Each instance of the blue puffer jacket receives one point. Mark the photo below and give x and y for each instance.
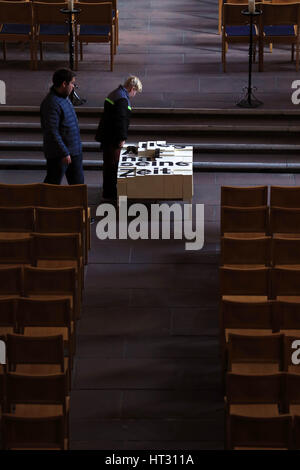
(60, 126)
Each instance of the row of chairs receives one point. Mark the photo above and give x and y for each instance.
(45, 251)
(262, 354)
(245, 211)
(259, 284)
(250, 433)
(278, 23)
(259, 317)
(260, 251)
(262, 395)
(40, 22)
(39, 307)
(39, 317)
(21, 210)
(254, 196)
(260, 220)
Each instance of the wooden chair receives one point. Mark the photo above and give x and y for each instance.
(246, 285)
(286, 252)
(245, 252)
(60, 196)
(247, 318)
(292, 393)
(47, 317)
(260, 433)
(33, 433)
(61, 220)
(50, 24)
(44, 283)
(16, 19)
(285, 222)
(36, 355)
(8, 323)
(244, 196)
(115, 16)
(285, 196)
(287, 317)
(58, 251)
(11, 281)
(279, 24)
(250, 222)
(285, 284)
(16, 251)
(16, 222)
(255, 354)
(96, 25)
(235, 30)
(221, 8)
(254, 395)
(36, 396)
(19, 195)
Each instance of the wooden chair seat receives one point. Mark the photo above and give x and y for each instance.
(48, 331)
(256, 410)
(244, 234)
(245, 298)
(248, 331)
(52, 296)
(6, 329)
(39, 410)
(41, 369)
(256, 368)
(13, 235)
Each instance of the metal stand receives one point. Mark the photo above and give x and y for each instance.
(74, 97)
(249, 101)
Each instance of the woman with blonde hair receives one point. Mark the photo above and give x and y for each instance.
(113, 130)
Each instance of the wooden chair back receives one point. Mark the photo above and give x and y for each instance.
(251, 196)
(33, 433)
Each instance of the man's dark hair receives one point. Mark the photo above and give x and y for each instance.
(62, 75)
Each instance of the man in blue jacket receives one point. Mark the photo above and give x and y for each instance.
(62, 143)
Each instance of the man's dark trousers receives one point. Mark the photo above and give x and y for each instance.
(56, 171)
(111, 156)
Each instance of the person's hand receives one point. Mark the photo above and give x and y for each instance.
(122, 143)
(67, 160)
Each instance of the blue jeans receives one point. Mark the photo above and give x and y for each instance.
(56, 170)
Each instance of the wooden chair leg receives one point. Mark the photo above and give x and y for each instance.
(81, 52)
(271, 47)
(224, 55)
(115, 40)
(112, 50)
(117, 27)
(293, 53)
(4, 50)
(261, 56)
(76, 53)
